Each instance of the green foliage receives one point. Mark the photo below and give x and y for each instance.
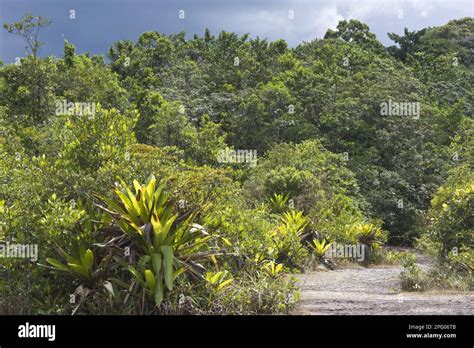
(394, 257)
(273, 269)
(218, 281)
(79, 264)
(452, 275)
(455, 273)
(28, 28)
(288, 237)
(407, 43)
(279, 203)
(214, 237)
(88, 143)
(295, 170)
(451, 218)
(320, 248)
(411, 278)
(369, 235)
(355, 32)
(450, 222)
(257, 293)
(146, 217)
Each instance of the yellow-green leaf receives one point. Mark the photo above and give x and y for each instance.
(88, 259)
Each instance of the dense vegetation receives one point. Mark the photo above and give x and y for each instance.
(191, 176)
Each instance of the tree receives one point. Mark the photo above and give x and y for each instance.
(69, 53)
(28, 28)
(354, 31)
(409, 43)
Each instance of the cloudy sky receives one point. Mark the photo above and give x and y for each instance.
(98, 23)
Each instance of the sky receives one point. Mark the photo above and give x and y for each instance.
(99, 23)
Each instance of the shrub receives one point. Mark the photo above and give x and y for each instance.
(279, 203)
(174, 265)
(452, 216)
(320, 248)
(288, 238)
(174, 244)
(411, 278)
(291, 170)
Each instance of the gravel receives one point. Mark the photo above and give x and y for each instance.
(373, 291)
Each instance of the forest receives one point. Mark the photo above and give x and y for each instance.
(202, 175)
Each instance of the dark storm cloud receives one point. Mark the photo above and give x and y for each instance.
(99, 23)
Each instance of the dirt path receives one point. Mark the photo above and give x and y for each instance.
(369, 291)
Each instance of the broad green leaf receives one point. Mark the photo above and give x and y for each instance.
(150, 280)
(166, 228)
(168, 265)
(157, 262)
(158, 294)
(88, 259)
(58, 265)
(137, 186)
(79, 269)
(137, 275)
(216, 277)
(224, 284)
(179, 271)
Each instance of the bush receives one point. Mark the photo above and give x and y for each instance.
(449, 228)
(174, 265)
(411, 278)
(291, 170)
(452, 216)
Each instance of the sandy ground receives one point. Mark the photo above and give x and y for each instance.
(375, 290)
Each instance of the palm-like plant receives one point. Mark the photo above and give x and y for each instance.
(278, 203)
(288, 237)
(294, 221)
(369, 234)
(173, 243)
(78, 264)
(320, 247)
(218, 281)
(272, 269)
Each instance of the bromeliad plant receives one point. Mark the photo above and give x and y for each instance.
(279, 203)
(78, 264)
(370, 235)
(288, 236)
(320, 248)
(218, 281)
(173, 243)
(295, 221)
(272, 269)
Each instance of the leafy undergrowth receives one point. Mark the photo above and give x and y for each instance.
(174, 178)
(450, 274)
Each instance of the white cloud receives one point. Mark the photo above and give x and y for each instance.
(370, 9)
(311, 19)
(325, 19)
